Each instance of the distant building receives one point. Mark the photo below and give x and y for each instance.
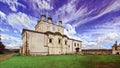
(116, 48)
(96, 51)
(48, 39)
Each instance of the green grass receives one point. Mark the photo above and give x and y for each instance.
(3, 54)
(64, 61)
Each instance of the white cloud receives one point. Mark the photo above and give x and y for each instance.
(42, 4)
(112, 7)
(4, 29)
(108, 37)
(70, 29)
(87, 43)
(15, 31)
(11, 42)
(20, 20)
(105, 34)
(101, 41)
(115, 22)
(91, 45)
(71, 32)
(13, 4)
(2, 16)
(68, 12)
(1, 29)
(107, 26)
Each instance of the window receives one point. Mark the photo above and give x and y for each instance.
(50, 40)
(74, 44)
(65, 42)
(78, 44)
(59, 40)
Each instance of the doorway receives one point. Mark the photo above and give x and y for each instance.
(77, 49)
(117, 53)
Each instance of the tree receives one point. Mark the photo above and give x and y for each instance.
(2, 47)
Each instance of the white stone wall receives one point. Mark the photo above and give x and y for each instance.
(64, 46)
(118, 48)
(36, 43)
(70, 46)
(55, 47)
(58, 45)
(76, 44)
(23, 44)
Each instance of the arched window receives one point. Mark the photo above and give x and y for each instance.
(75, 44)
(65, 42)
(50, 40)
(78, 44)
(59, 40)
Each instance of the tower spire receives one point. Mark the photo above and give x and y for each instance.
(43, 17)
(60, 20)
(49, 19)
(116, 42)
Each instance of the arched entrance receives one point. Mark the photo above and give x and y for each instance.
(77, 49)
(117, 53)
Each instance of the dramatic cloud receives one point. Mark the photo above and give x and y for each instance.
(68, 12)
(41, 4)
(11, 42)
(108, 37)
(91, 45)
(13, 4)
(71, 32)
(21, 20)
(114, 6)
(2, 16)
(70, 29)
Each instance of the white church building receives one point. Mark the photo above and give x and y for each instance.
(48, 39)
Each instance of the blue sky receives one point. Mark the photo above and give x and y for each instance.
(95, 22)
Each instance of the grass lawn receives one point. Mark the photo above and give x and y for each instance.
(64, 61)
(3, 54)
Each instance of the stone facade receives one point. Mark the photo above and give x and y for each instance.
(116, 48)
(48, 39)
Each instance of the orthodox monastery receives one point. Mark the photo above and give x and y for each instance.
(48, 39)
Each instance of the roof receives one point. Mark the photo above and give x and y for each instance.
(31, 31)
(49, 32)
